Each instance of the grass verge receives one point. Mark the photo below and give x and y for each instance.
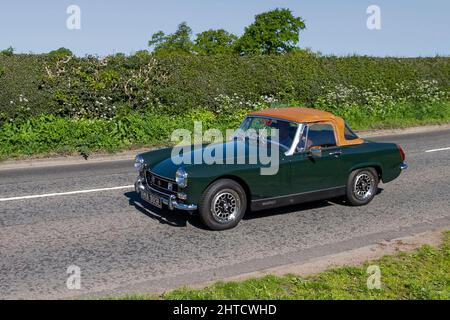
(420, 274)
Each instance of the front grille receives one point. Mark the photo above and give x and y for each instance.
(160, 183)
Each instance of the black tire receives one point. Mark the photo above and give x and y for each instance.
(216, 207)
(367, 179)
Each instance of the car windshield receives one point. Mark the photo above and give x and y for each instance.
(252, 126)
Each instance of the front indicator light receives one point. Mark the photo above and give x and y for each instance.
(139, 163)
(181, 178)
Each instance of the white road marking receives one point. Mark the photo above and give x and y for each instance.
(441, 149)
(64, 193)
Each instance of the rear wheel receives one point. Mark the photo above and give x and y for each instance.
(223, 204)
(362, 186)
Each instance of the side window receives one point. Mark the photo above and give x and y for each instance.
(321, 135)
(349, 134)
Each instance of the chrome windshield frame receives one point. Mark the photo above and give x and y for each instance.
(290, 150)
(296, 141)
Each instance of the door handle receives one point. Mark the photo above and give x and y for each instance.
(335, 153)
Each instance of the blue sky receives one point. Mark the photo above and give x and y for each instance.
(408, 27)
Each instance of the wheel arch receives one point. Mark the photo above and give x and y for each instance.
(377, 166)
(238, 180)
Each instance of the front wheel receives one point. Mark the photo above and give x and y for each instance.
(362, 186)
(223, 204)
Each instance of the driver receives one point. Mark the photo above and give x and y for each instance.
(285, 136)
(307, 144)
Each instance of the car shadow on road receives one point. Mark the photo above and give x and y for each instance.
(174, 218)
(250, 215)
(178, 218)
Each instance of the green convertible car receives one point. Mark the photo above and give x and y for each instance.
(312, 155)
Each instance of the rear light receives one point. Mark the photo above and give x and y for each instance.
(402, 153)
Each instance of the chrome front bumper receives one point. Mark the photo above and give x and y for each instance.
(403, 166)
(169, 200)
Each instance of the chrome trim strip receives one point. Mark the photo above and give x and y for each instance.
(298, 194)
(262, 204)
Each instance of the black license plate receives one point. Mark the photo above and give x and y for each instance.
(151, 198)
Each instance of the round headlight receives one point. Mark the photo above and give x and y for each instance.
(181, 178)
(139, 163)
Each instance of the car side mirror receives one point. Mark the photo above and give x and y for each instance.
(315, 152)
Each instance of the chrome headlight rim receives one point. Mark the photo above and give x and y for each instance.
(139, 163)
(181, 177)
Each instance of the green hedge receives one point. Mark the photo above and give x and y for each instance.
(49, 134)
(56, 104)
(89, 87)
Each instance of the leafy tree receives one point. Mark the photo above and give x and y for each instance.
(7, 52)
(179, 41)
(272, 32)
(212, 42)
(61, 52)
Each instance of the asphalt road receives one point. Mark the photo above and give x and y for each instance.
(121, 246)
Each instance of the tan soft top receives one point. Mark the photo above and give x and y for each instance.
(308, 115)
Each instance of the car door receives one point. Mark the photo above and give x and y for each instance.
(275, 182)
(311, 171)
